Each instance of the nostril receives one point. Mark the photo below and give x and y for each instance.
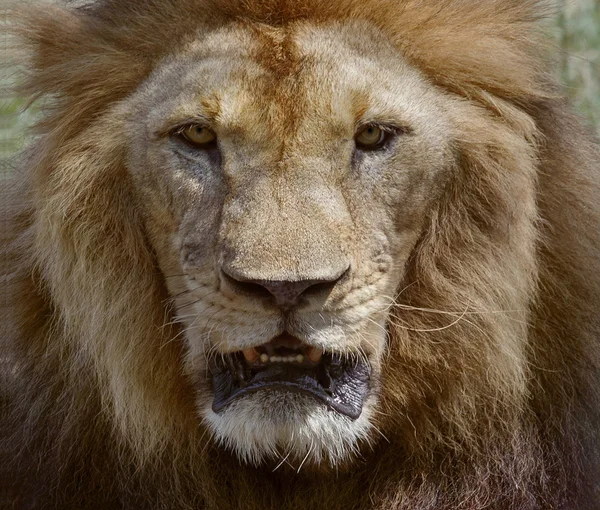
(246, 286)
(286, 293)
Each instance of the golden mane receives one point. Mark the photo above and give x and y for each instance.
(468, 48)
(514, 248)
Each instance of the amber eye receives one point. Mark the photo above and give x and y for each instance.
(198, 135)
(370, 137)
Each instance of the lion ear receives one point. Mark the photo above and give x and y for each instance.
(76, 59)
(55, 40)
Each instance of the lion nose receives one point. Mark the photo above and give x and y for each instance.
(286, 294)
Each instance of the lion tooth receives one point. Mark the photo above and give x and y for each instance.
(299, 358)
(314, 354)
(250, 354)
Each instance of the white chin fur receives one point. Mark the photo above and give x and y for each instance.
(282, 425)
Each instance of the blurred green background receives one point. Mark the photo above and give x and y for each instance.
(575, 32)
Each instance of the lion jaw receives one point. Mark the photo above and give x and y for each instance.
(273, 426)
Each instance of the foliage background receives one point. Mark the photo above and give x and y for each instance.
(575, 32)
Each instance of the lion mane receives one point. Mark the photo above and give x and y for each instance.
(97, 411)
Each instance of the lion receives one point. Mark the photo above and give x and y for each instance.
(279, 254)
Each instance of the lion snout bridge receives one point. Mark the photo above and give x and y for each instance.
(284, 293)
(284, 240)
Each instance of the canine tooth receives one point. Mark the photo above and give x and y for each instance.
(299, 358)
(264, 357)
(314, 354)
(250, 354)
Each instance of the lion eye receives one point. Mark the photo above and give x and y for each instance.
(198, 135)
(370, 137)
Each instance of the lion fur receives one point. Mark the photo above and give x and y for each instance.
(85, 430)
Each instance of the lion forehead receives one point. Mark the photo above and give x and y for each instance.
(261, 81)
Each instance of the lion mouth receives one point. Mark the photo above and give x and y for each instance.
(287, 364)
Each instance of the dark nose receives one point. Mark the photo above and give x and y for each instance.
(287, 294)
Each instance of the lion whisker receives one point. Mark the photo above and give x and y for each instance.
(283, 460)
(188, 291)
(431, 330)
(448, 312)
(305, 457)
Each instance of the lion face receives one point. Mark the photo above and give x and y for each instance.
(284, 176)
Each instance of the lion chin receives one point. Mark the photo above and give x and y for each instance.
(299, 254)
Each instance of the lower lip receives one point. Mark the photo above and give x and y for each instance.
(345, 394)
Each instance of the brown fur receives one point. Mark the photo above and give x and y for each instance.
(517, 232)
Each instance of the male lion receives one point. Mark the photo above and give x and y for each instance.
(299, 255)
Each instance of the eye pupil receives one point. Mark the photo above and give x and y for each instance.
(371, 138)
(198, 136)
